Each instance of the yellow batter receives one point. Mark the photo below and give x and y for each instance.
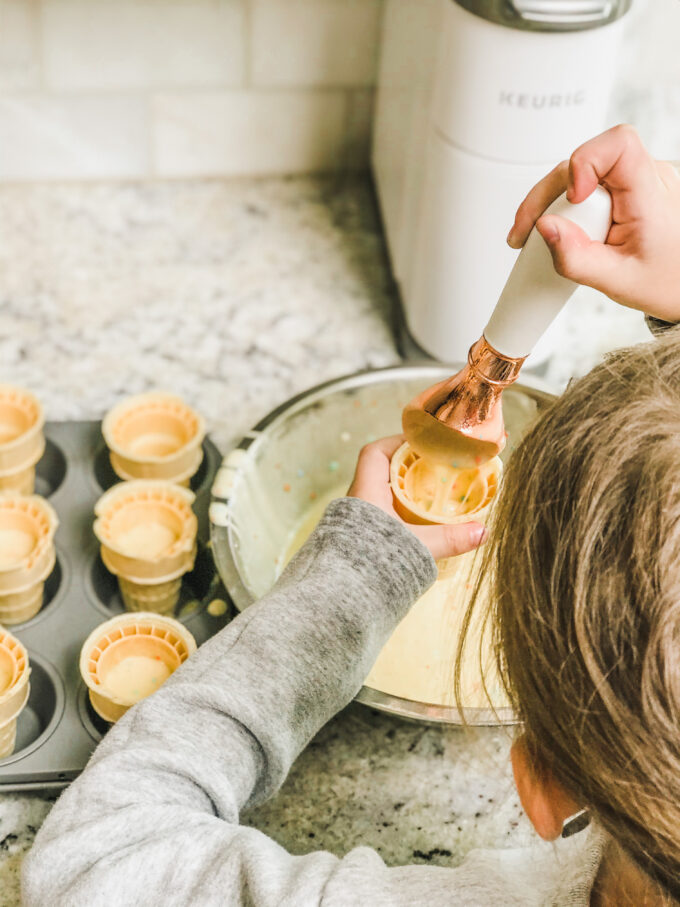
(418, 661)
(15, 545)
(135, 677)
(146, 540)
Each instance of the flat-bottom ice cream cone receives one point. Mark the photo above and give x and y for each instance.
(21, 481)
(27, 555)
(181, 476)
(22, 441)
(14, 688)
(154, 436)
(160, 598)
(429, 494)
(147, 531)
(129, 657)
(19, 607)
(8, 738)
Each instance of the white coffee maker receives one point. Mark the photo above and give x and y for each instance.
(477, 100)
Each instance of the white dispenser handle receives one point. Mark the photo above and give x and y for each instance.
(535, 293)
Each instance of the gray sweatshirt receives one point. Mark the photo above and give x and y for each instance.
(154, 818)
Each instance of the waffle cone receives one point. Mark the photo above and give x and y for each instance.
(8, 738)
(27, 555)
(14, 686)
(147, 531)
(129, 657)
(154, 436)
(430, 494)
(22, 442)
(22, 481)
(160, 598)
(18, 607)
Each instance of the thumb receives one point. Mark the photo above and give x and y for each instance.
(578, 257)
(448, 541)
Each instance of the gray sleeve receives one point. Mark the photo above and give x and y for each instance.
(154, 818)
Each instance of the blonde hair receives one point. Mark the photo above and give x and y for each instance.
(584, 556)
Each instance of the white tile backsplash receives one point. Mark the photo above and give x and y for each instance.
(66, 137)
(19, 53)
(127, 88)
(125, 44)
(315, 42)
(248, 132)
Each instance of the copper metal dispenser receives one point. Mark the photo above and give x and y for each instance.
(459, 422)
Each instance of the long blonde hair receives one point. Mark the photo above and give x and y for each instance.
(584, 555)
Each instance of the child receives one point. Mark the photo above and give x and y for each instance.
(585, 553)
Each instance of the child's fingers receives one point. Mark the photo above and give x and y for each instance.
(450, 541)
(543, 194)
(581, 259)
(618, 159)
(373, 466)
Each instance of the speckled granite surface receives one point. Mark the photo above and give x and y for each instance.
(238, 295)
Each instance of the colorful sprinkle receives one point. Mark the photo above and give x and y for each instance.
(357, 404)
(300, 473)
(345, 436)
(312, 496)
(333, 466)
(286, 487)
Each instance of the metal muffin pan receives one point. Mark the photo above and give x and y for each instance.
(58, 729)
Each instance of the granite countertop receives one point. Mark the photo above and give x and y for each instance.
(237, 295)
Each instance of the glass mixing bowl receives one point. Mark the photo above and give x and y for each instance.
(306, 450)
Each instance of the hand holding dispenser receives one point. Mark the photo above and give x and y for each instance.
(459, 422)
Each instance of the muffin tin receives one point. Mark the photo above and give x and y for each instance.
(58, 729)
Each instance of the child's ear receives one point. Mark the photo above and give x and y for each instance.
(544, 801)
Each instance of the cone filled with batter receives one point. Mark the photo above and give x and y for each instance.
(154, 436)
(22, 441)
(14, 688)
(147, 532)
(129, 657)
(426, 492)
(27, 554)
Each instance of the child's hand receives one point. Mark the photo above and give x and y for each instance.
(372, 484)
(639, 266)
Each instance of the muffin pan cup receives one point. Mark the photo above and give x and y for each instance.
(58, 729)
